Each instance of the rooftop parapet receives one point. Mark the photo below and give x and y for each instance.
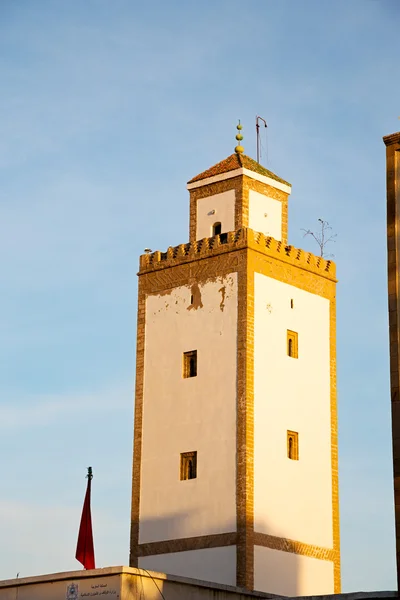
(236, 240)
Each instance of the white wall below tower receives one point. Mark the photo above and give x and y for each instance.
(292, 498)
(289, 574)
(265, 214)
(209, 564)
(224, 206)
(189, 414)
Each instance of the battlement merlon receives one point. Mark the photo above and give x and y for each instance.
(237, 240)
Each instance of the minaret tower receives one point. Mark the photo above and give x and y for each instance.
(235, 471)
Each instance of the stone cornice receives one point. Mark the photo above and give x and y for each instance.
(287, 188)
(393, 138)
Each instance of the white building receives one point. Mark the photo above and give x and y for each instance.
(235, 476)
(125, 583)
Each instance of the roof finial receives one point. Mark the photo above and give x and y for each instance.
(239, 149)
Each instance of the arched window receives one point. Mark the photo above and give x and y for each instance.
(293, 445)
(188, 465)
(190, 364)
(216, 228)
(292, 344)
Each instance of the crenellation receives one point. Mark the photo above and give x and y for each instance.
(201, 246)
(232, 240)
(181, 251)
(312, 260)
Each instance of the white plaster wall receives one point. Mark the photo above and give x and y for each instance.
(265, 215)
(182, 415)
(289, 574)
(293, 499)
(224, 206)
(212, 564)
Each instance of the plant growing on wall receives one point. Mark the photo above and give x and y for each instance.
(323, 237)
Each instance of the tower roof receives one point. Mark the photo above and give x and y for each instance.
(237, 161)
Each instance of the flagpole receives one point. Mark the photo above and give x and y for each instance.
(84, 548)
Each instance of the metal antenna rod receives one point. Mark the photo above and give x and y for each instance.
(258, 135)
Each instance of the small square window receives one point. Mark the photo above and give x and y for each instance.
(188, 465)
(292, 344)
(293, 445)
(190, 364)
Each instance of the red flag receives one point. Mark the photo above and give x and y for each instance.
(84, 547)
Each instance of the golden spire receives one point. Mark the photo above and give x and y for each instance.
(239, 149)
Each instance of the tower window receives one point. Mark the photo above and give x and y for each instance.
(291, 303)
(292, 344)
(293, 445)
(188, 465)
(190, 364)
(216, 228)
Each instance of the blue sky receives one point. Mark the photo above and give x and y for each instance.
(107, 110)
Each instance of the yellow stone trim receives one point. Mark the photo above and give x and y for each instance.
(221, 540)
(138, 424)
(295, 547)
(241, 205)
(201, 542)
(245, 431)
(191, 272)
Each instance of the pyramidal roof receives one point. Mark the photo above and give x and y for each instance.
(237, 161)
